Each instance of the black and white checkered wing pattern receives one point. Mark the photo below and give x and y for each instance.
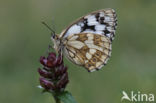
(103, 22)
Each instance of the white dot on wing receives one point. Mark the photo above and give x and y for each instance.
(107, 18)
(90, 17)
(88, 31)
(102, 14)
(92, 23)
(100, 27)
(73, 30)
(92, 20)
(108, 35)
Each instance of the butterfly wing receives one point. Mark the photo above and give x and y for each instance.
(101, 22)
(88, 50)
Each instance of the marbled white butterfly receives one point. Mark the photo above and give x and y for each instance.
(87, 42)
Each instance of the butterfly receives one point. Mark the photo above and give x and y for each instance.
(87, 42)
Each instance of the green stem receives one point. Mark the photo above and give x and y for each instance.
(57, 100)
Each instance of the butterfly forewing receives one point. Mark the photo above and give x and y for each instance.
(87, 49)
(101, 22)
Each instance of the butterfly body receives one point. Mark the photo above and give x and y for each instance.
(88, 41)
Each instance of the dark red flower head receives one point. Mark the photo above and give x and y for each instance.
(54, 76)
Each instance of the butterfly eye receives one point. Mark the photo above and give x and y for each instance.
(53, 35)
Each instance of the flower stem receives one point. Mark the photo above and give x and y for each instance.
(57, 100)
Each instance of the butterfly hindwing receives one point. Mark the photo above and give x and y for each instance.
(88, 50)
(102, 22)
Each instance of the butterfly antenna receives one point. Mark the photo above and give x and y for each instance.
(53, 32)
(53, 25)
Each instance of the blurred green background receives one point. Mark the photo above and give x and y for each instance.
(23, 39)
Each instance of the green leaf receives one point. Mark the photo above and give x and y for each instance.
(66, 97)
